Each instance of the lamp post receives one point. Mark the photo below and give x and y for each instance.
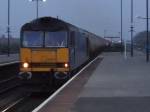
(147, 39)
(147, 35)
(147, 29)
(131, 28)
(8, 29)
(121, 26)
(105, 31)
(37, 6)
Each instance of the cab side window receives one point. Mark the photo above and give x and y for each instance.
(72, 39)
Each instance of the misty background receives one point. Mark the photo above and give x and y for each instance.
(92, 15)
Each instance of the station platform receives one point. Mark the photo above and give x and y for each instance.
(114, 84)
(7, 59)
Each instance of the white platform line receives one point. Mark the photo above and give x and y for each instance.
(9, 63)
(60, 89)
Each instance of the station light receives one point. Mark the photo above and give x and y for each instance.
(37, 0)
(37, 5)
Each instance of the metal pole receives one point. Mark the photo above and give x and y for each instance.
(147, 39)
(132, 28)
(104, 33)
(121, 25)
(37, 8)
(8, 28)
(125, 49)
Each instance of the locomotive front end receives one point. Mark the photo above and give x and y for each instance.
(44, 55)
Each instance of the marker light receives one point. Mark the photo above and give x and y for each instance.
(66, 65)
(25, 65)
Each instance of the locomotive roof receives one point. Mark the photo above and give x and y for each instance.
(47, 23)
(52, 24)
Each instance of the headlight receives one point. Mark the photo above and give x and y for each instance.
(25, 65)
(66, 65)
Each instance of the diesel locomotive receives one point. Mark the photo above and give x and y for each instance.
(52, 48)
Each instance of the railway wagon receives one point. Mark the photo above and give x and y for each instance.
(52, 48)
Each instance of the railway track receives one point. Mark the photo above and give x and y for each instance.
(11, 98)
(8, 76)
(8, 70)
(11, 106)
(8, 84)
(26, 103)
(30, 102)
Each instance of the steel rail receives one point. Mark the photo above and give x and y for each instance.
(9, 63)
(7, 80)
(11, 106)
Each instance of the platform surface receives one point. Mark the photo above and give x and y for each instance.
(116, 85)
(6, 59)
(116, 77)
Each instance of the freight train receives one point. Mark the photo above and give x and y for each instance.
(52, 48)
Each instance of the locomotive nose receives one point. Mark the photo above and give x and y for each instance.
(25, 75)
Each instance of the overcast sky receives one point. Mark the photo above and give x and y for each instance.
(92, 15)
